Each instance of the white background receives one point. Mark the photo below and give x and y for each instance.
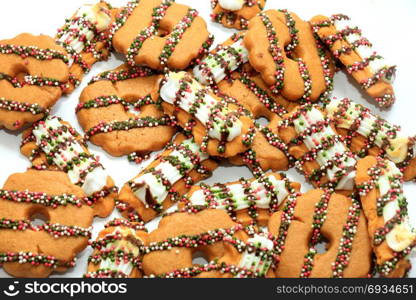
(389, 25)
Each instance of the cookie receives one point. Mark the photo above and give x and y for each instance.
(380, 185)
(283, 49)
(267, 150)
(53, 144)
(369, 69)
(34, 74)
(221, 61)
(248, 257)
(321, 155)
(160, 34)
(117, 251)
(181, 235)
(235, 13)
(366, 133)
(85, 37)
(218, 123)
(119, 113)
(248, 88)
(165, 180)
(316, 217)
(34, 250)
(246, 201)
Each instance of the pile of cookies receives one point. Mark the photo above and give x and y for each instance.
(201, 107)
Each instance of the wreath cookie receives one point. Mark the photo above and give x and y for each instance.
(33, 250)
(235, 13)
(226, 70)
(380, 185)
(85, 37)
(231, 251)
(267, 150)
(160, 34)
(53, 144)
(367, 67)
(283, 49)
(315, 217)
(366, 133)
(117, 251)
(165, 180)
(33, 76)
(219, 124)
(119, 113)
(246, 201)
(321, 154)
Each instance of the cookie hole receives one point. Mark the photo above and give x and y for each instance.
(199, 258)
(38, 219)
(322, 246)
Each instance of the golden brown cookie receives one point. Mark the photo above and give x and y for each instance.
(235, 13)
(366, 133)
(246, 201)
(321, 155)
(355, 52)
(283, 49)
(267, 152)
(119, 113)
(221, 61)
(316, 217)
(85, 37)
(219, 124)
(117, 251)
(248, 88)
(55, 145)
(160, 34)
(33, 75)
(213, 235)
(380, 185)
(225, 70)
(30, 249)
(165, 180)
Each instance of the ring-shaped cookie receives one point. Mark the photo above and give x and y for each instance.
(118, 112)
(30, 249)
(315, 217)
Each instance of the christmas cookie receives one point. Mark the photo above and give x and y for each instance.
(33, 75)
(235, 13)
(315, 218)
(320, 152)
(366, 133)
(117, 251)
(283, 49)
(221, 61)
(119, 113)
(180, 236)
(160, 34)
(53, 144)
(248, 88)
(267, 150)
(246, 201)
(85, 37)
(380, 185)
(367, 67)
(218, 123)
(29, 248)
(165, 180)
